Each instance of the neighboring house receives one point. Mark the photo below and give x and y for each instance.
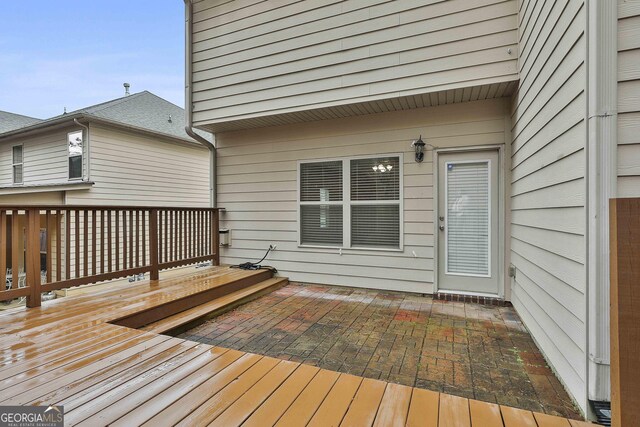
(131, 151)
(316, 105)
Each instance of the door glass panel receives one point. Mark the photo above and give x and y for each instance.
(467, 239)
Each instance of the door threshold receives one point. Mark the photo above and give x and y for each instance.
(470, 297)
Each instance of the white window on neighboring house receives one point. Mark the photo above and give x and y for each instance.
(18, 164)
(351, 203)
(75, 146)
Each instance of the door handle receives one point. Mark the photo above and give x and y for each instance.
(441, 227)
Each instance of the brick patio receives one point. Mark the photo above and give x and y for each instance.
(470, 350)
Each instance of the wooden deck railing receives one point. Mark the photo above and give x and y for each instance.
(56, 247)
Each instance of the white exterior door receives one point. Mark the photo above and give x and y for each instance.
(468, 222)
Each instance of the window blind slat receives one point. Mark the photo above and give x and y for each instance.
(321, 225)
(375, 179)
(321, 182)
(17, 174)
(375, 226)
(468, 218)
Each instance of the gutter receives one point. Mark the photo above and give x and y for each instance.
(189, 106)
(86, 144)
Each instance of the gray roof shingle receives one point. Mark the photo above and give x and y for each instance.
(12, 121)
(142, 110)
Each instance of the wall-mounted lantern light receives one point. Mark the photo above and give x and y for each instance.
(418, 145)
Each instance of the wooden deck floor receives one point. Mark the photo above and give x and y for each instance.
(66, 353)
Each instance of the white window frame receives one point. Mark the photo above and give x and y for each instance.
(13, 165)
(81, 177)
(346, 203)
(446, 216)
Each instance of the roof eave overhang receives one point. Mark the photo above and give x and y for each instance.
(87, 118)
(62, 186)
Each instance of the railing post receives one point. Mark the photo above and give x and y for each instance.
(215, 237)
(625, 311)
(32, 267)
(153, 244)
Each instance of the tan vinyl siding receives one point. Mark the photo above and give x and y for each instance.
(548, 185)
(131, 169)
(45, 158)
(48, 198)
(255, 59)
(628, 98)
(257, 185)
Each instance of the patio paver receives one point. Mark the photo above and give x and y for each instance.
(469, 350)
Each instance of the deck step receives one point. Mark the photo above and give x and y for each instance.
(216, 307)
(204, 291)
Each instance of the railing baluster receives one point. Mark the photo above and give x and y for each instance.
(178, 253)
(131, 254)
(58, 245)
(67, 243)
(194, 234)
(144, 238)
(204, 232)
(137, 238)
(49, 228)
(169, 236)
(94, 244)
(162, 239)
(117, 265)
(199, 234)
(124, 240)
(15, 249)
(153, 244)
(102, 258)
(186, 234)
(3, 247)
(215, 238)
(208, 236)
(109, 240)
(77, 240)
(172, 234)
(85, 248)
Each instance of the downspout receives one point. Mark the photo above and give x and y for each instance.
(86, 143)
(601, 147)
(189, 106)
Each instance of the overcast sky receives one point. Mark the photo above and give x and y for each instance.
(72, 53)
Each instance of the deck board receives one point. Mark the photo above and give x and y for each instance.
(66, 352)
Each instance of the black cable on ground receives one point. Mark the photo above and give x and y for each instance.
(256, 265)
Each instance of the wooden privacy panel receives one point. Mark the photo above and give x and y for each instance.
(55, 247)
(625, 311)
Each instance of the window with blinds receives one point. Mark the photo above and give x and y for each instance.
(468, 233)
(321, 203)
(375, 202)
(352, 203)
(17, 164)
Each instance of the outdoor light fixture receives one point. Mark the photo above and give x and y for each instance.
(418, 145)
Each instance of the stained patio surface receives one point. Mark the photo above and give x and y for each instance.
(470, 350)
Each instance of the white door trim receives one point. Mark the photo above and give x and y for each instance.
(501, 212)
